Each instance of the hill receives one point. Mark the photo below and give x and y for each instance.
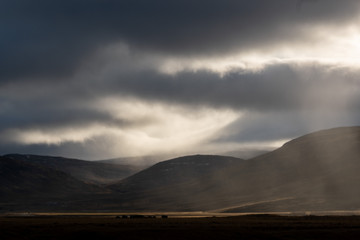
(318, 171)
(176, 171)
(315, 172)
(87, 171)
(26, 184)
(174, 184)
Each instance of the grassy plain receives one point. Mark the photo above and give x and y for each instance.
(107, 226)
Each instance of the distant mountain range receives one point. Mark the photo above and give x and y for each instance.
(318, 171)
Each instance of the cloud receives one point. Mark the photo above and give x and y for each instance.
(279, 86)
(154, 129)
(42, 39)
(107, 78)
(145, 111)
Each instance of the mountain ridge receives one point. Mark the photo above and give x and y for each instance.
(87, 171)
(317, 171)
(310, 169)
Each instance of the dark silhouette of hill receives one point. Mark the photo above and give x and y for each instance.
(31, 180)
(318, 171)
(315, 172)
(176, 184)
(45, 183)
(176, 171)
(24, 181)
(87, 171)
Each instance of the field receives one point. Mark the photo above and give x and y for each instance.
(109, 226)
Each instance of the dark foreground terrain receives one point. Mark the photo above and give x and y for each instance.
(243, 227)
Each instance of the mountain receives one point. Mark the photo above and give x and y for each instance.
(318, 171)
(32, 180)
(87, 171)
(23, 182)
(176, 171)
(169, 185)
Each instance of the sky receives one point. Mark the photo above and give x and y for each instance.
(98, 79)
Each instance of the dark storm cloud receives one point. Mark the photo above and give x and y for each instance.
(43, 38)
(280, 101)
(47, 113)
(61, 60)
(276, 87)
(25, 115)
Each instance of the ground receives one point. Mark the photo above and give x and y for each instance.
(241, 227)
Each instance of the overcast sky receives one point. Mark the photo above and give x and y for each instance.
(97, 79)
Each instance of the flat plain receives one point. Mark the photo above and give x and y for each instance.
(239, 227)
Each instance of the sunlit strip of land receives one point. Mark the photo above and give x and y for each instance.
(198, 214)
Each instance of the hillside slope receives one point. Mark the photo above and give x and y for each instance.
(88, 171)
(177, 171)
(318, 171)
(175, 184)
(23, 180)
